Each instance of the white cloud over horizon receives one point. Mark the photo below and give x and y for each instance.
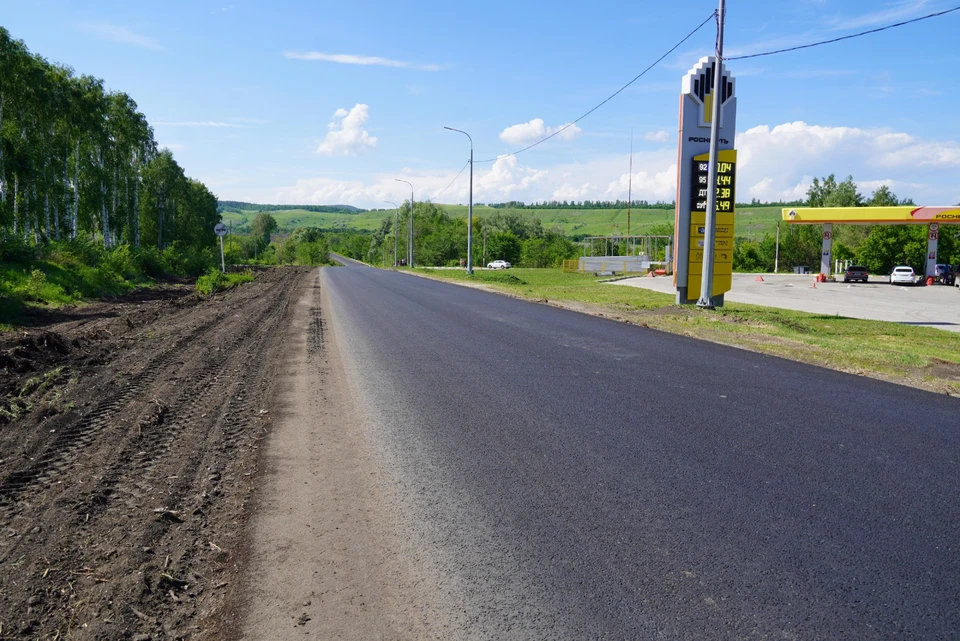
(774, 163)
(658, 136)
(121, 35)
(346, 135)
(351, 59)
(534, 130)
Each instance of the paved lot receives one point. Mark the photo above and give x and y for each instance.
(937, 306)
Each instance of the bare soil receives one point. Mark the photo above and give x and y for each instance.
(129, 440)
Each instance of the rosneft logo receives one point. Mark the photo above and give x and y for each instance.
(699, 84)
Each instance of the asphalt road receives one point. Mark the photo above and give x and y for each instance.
(561, 476)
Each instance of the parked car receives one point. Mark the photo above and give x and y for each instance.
(856, 272)
(945, 274)
(903, 275)
(498, 264)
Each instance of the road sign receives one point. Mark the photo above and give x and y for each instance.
(827, 235)
(934, 235)
(220, 230)
(934, 226)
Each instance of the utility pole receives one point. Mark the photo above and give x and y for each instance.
(709, 236)
(469, 206)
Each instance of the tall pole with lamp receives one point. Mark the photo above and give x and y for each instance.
(410, 240)
(469, 206)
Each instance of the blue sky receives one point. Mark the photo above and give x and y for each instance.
(322, 103)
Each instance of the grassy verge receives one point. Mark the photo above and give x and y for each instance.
(906, 354)
(70, 271)
(216, 281)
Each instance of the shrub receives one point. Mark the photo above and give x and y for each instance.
(215, 281)
(14, 249)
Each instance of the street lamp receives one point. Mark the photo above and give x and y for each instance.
(410, 241)
(396, 229)
(469, 206)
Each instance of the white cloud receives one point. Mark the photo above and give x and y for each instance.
(123, 35)
(346, 135)
(893, 12)
(535, 129)
(658, 136)
(351, 59)
(200, 123)
(779, 163)
(775, 163)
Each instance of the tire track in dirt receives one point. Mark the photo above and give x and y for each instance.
(176, 429)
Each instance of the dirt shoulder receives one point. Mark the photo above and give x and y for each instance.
(321, 560)
(129, 442)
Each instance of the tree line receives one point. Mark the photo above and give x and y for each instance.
(240, 206)
(77, 159)
(583, 204)
(440, 240)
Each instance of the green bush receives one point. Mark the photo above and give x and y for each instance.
(216, 281)
(150, 262)
(14, 249)
(120, 264)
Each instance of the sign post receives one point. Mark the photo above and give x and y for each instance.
(700, 93)
(221, 230)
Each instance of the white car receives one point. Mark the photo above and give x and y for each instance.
(903, 275)
(498, 264)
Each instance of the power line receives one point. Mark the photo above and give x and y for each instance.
(612, 96)
(452, 181)
(853, 35)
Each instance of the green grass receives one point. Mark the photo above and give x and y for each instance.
(752, 222)
(921, 356)
(216, 281)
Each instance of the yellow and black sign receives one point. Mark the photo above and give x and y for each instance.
(724, 222)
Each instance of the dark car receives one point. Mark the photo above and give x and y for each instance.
(945, 274)
(856, 272)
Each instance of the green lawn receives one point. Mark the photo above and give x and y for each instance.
(919, 356)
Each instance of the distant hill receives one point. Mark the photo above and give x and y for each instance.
(239, 206)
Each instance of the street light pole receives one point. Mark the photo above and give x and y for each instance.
(469, 206)
(396, 229)
(410, 240)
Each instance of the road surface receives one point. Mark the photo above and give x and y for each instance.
(551, 475)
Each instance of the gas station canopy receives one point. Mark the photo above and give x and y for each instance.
(871, 215)
(933, 217)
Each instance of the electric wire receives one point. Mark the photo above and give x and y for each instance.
(437, 195)
(609, 98)
(847, 37)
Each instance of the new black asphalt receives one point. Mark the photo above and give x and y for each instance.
(575, 477)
